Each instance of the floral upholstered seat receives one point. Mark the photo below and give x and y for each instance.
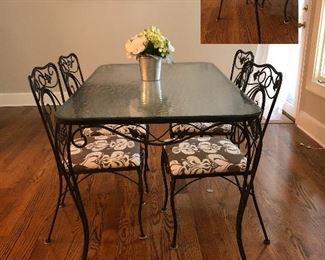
(105, 152)
(204, 155)
(192, 128)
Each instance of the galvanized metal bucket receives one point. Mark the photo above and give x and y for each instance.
(150, 68)
(151, 93)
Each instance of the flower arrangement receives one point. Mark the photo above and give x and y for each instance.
(150, 42)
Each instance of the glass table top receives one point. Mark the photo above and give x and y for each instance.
(187, 92)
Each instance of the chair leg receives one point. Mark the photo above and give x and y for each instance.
(75, 194)
(172, 204)
(258, 22)
(286, 20)
(163, 172)
(240, 213)
(146, 167)
(140, 191)
(57, 207)
(146, 152)
(266, 238)
(62, 203)
(220, 9)
(238, 183)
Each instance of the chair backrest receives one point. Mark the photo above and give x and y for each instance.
(240, 59)
(262, 86)
(71, 72)
(47, 91)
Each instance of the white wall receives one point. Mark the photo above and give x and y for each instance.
(33, 33)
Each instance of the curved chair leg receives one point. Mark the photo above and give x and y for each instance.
(240, 213)
(172, 204)
(62, 203)
(163, 172)
(146, 168)
(146, 152)
(286, 20)
(266, 238)
(57, 207)
(140, 191)
(220, 9)
(75, 194)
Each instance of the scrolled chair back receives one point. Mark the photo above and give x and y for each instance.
(71, 72)
(47, 91)
(263, 87)
(240, 59)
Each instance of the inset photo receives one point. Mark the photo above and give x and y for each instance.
(249, 21)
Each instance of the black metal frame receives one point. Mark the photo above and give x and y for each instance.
(240, 59)
(43, 81)
(263, 82)
(71, 72)
(73, 79)
(257, 18)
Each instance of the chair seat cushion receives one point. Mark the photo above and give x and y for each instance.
(190, 128)
(204, 155)
(134, 130)
(105, 152)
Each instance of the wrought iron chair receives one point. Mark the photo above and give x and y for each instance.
(234, 159)
(83, 155)
(238, 77)
(73, 79)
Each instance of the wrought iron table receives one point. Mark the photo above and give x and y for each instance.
(187, 92)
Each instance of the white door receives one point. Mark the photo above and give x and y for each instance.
(295, 71)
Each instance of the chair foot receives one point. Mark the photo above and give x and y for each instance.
(143, 237)
(47, 241)
(286, 21)
(163, 210)
(173, 247)
(267, 241)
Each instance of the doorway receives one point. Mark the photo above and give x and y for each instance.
(288, 58)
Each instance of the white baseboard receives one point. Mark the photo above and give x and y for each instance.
(312, 127)
(16, 99)
(19, 99)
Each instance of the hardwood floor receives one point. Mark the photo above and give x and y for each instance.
(238, 23)
(290, 188)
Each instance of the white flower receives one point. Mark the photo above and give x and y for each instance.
(170, 47)
(136, 44)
